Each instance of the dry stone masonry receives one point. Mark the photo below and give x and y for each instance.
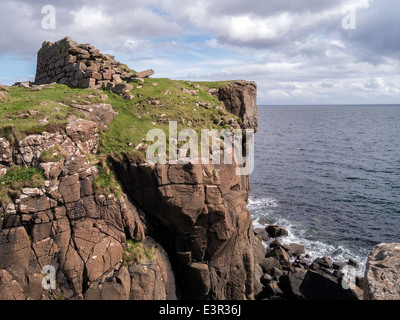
(82, 65)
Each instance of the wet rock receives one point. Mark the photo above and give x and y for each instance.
(275, 231)
(325, 262)
(295, 249)
(353, 263)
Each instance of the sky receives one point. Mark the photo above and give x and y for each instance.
(297, 51)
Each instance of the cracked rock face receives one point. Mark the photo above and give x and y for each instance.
(66, 225)
(240, 99)
(382, 273)
(197, 212)
(209, 236)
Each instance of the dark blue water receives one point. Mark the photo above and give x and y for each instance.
(331, 175)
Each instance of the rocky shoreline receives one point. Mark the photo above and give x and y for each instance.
(287, 272)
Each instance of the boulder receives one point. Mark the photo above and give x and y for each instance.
(324, 262)
(269, 264)
(275, 231)
(382, 273)
(122, 88)
(3, 96)
(143, 74)
(282, 256)
(290, 284)
(261, 233)
(295, 249)
(318, 285)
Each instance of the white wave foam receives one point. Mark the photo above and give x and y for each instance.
(297, 234)
(258, 203)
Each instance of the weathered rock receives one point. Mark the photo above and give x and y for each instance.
(190, 92)
(269, 264)
(382, 273)
(70, 188)
(143, 74)
(3, 96)
(325, 262)
(122, 88)
(290, 284)
(5, 151)
(295, 249)
(261, 233)
(353, 263)
(321, 286)
(282, 256)
(240, 99)
(84, 133)
(9, 288)
(216, 232)
(114, 287)
(275, 231)
(101, 113)
(32, 146)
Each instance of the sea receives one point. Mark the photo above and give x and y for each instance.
(330, 175)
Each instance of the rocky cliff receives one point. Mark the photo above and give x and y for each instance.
(77, 194)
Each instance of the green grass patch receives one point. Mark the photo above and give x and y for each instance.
(46, 110)
(153, 105)
(16, 179)
(53, 154)
(137, 253)
(155, 102)
(105, 183)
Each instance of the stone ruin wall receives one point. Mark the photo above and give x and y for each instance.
(80, 65)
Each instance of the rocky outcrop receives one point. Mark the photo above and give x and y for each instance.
(66, 225)
(209, 237)
(240, 99)
(382, 273)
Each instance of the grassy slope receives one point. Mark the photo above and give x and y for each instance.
(136, 117)
(128, 129)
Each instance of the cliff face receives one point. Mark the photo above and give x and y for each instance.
(199, 213)
(169, 231)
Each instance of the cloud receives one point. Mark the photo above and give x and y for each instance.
(295, 50)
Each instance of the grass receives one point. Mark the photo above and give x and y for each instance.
(105, 182)
(54, 154)
(137, 253)
(155, 102)
(17, 178)
(137, 116)
(51, 103)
